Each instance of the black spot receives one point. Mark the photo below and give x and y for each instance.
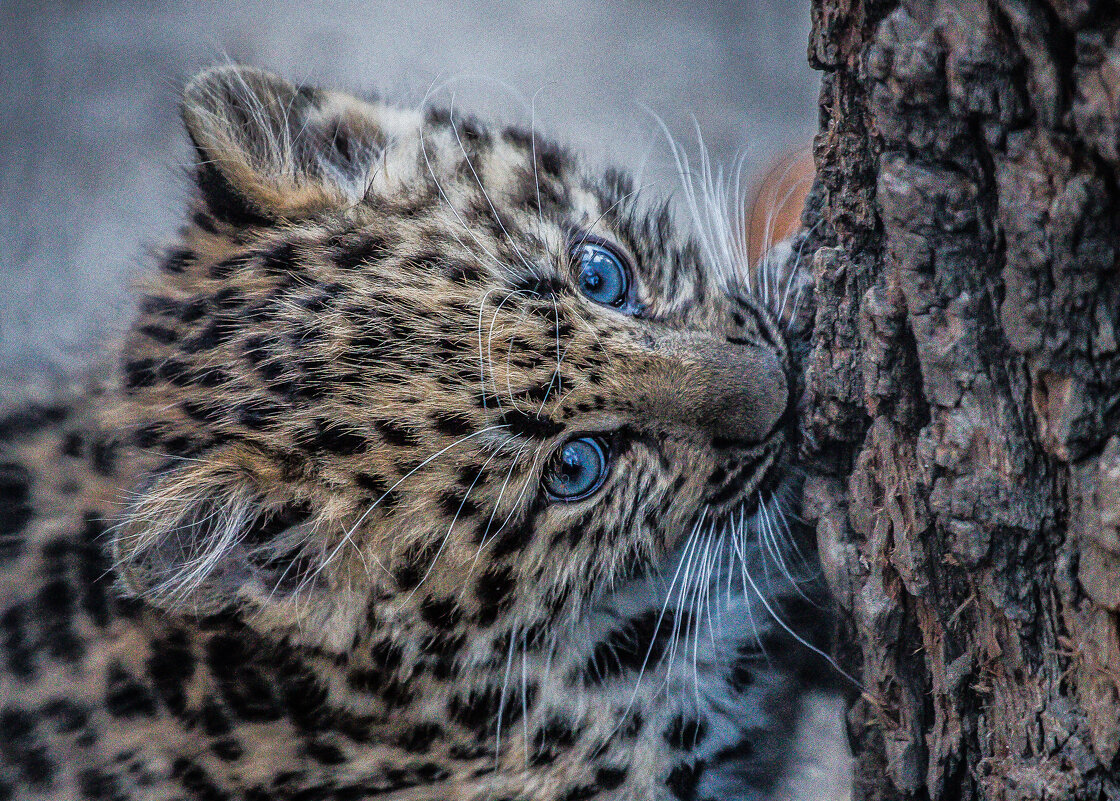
(513, 537)
(371, 483)
(437, 117)
(191, 310)
(227, 749)
(442, 652)
(365, 681)
(324, 753)
(15, 507)
(557, 732)
(259, 414)
(170, 667)
(68, 716)
(551, 157)
(175, 372)
(580, 792)
(139, 373)
(156, 304)
(72, 445)
(478, 711)
(449, 347)
(464, 272)
(19, 649)
(228, 299)
(334, 438)
(97, 785)
(202, 412)
(739, 752)
(396, 693)
(96, 579)
(217, 332)
(633, 726)
(176, 260)
(685, 733)
(215, 722)
(457, 506)
(396, 434)
(304, 697)
(162, 335)
(640, 641)
(683, 779)
(453, 424)
(414, 565)
(440, 613)
(470, 476)
(280, 260)
(31, 418)
(125, 697)
(21, 745)
(56, 604)
(494, 592)
(609, 778)
(368, 249)
(103, 455)
(419, 739)
(226, 267)
(205, 222)
(241, 674)
(530, 426)
(196, 781)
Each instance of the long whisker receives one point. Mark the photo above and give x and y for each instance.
(395, 484)
(454, 520)
(490, 341)
(690, 542)
(493, 211)
(502, 697)
(762, 598)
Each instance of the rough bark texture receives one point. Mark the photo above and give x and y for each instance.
(963, 390)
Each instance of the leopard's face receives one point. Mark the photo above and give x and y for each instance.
(403, 362)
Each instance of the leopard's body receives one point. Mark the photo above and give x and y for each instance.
(307, 548)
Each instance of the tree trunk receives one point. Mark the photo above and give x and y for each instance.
(963, 390)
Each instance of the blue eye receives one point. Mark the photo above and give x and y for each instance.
(601, 274)
(577, 469)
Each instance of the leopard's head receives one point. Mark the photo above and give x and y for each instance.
(401, 363)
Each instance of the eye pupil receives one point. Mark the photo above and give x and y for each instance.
(602, 278)
(577, 469)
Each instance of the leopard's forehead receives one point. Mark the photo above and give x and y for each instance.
(511, 201)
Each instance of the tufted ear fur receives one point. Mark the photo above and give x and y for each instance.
(203, 538)
(268, 149)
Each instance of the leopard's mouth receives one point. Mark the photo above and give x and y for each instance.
(747, 475)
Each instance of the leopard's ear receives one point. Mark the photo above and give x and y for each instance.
(268, 149)
(204, 537)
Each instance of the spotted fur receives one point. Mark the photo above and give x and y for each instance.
(303, 549)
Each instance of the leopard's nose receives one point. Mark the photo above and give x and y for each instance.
(745, 391)
(736, 392)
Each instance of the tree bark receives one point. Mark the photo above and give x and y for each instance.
(963, 390)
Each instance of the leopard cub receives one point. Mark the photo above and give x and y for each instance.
(438, 467)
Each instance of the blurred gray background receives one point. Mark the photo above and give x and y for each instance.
(91, 152)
